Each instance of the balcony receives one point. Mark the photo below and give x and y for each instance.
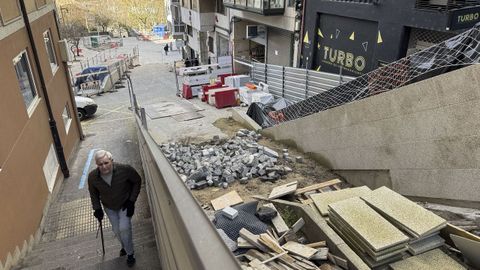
(461, 14)
(446, 5)
(264, 7)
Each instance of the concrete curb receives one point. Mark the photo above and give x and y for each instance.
(244, 119)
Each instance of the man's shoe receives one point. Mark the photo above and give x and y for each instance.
(122, 252)
(130, 260)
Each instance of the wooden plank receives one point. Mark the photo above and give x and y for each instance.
(317, 244)
(242, 243)
(298, 225)
(278, 222)
(452, 229)
(252, 239)
(338, 261)
(274, 257)
(304, 263)
(317, 186)
(283, 190)
(264, 257)
(322, 254)
(229, 199)
(261, 198)
(290, 262)
(266, 240)
(307, 201)
(299, 249)
(258, 265)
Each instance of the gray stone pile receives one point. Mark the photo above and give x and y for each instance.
(219, 163)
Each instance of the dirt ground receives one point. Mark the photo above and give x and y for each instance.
(306, 173)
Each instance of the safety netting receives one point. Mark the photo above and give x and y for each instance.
(451, 54)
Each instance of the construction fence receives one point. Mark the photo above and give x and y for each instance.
(106, 76)
(295, 84)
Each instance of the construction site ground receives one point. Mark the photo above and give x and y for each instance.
(305, 173)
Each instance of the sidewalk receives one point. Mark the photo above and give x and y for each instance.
(69, 238)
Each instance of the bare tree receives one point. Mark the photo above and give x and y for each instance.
(74, 31)
(103, 21)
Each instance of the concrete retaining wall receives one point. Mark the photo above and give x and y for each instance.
(421, 140)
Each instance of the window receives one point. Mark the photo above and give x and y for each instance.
(67, 117)
(25, 79)
(189, 30)
(277, 3)
(220, 7)
(210, 44)
(50, 168)
(47, 38)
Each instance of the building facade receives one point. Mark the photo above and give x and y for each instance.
(264, 31)
(261, 31)
(174, 19)
(199, 19)
(353, 37)
(39, 127)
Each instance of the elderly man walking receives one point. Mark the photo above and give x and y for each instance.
(117, 187)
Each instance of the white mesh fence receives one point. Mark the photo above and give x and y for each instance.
(456, 52)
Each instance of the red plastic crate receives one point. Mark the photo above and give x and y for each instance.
(187, 91)
(226, 98)
(207, 87)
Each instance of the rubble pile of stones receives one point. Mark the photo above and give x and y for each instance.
(219, 163)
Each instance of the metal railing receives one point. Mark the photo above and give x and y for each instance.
(295, 84)
(445, 5)
(185, 237)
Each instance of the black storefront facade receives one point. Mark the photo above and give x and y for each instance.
(353, 37)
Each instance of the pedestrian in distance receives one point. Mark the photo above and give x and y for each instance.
(115, 186)
(166, 49)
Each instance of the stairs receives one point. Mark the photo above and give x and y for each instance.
(85, 252)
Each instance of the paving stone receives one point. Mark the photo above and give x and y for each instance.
(322, 200)
(376, 231)
(413, 218)
(432, 260)
(269, 152)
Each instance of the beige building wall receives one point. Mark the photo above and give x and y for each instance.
(422, 140)
(27, 139)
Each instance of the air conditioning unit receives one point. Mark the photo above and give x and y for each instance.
(254, 31)
(64, 50)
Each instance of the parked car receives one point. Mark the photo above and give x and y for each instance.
(86, 107)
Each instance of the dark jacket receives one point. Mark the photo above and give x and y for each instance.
(125, 186)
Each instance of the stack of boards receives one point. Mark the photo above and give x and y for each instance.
(381, 225)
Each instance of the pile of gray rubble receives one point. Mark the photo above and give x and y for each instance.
(219, 163)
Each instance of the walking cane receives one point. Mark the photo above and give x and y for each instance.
(101, 236)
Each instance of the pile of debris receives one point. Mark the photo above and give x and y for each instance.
(383, 230)
(261, 239)
(219, 163)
